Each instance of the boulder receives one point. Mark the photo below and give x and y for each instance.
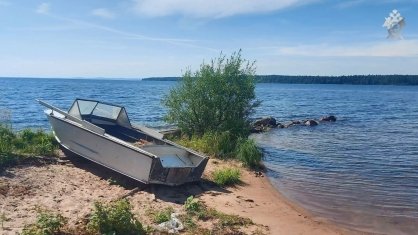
(296, 122)
(311, 123)
(266, 121)
(330, 118)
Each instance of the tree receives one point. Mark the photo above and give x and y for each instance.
(219, 97)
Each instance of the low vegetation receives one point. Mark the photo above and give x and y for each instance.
(226, 176)
(197, 211)
(161, 216)
(16, 146)
(114, 218)
(248, 153)
(47, 223)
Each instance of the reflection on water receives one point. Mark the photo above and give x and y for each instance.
(361, 171)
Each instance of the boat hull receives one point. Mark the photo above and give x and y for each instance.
(102, 150)
(122, 157)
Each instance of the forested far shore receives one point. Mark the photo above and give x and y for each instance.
(350, 79)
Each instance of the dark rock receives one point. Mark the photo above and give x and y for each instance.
(296, 122)
(266, 121)
(311, 123)
(330, 118)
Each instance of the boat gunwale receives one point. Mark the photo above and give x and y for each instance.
(105, 136)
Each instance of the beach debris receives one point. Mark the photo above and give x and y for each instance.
(174, 225)
(258, 174)
(394, 24)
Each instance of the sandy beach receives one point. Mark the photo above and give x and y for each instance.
(72, 187)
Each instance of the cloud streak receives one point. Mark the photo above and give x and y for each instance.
(103, 13)
(128, 35)
(403, 48)
(211, 9)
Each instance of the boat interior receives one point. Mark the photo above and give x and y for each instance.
(113, 120)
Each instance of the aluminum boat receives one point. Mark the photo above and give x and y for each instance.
(103, 133)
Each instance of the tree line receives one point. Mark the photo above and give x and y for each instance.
(349, 79)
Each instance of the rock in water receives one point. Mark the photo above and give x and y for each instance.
(330, 118)
(266, 121)
(311, 123)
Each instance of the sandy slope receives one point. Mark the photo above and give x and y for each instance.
(72, 188)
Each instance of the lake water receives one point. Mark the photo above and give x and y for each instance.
(360, 172)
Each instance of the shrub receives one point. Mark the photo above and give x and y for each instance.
(248, 153)
(163, 215)
(14, 146)
(226, 176)
(219, 97)
(114, 218)
(192, 205)
(47, 223)
(35, 142)
(6, 147)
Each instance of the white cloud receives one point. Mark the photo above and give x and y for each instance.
(103, 13)
(43, 8)
(213, 8)
(401, 48)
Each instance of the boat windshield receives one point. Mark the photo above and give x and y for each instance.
(90, 110)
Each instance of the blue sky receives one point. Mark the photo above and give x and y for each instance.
(142, 38)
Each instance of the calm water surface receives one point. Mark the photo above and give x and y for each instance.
(360, 172)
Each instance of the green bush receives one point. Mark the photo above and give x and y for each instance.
(163, 215)
(35, 142)
(226, 176)
(7, 157)
(248, 153)
(114, 218)
(219, 97)
(26, 143)
(47, 223)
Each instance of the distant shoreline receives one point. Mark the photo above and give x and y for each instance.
(409, 80)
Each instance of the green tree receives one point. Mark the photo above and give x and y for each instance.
(219, 97)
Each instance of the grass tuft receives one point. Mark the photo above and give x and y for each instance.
(163, 215)
(226, 176)
(248, 153)
(47, 223)
(114, 218)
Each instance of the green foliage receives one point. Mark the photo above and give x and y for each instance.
(47, 223)
(3, 218)
(7, 157)
(35, 142)
(192, 205)
(226, 176)
(114, 218)
(248, 153)
(163, 215)
(14, 146)
(217, 98)
(196, 210)
(212, 143)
